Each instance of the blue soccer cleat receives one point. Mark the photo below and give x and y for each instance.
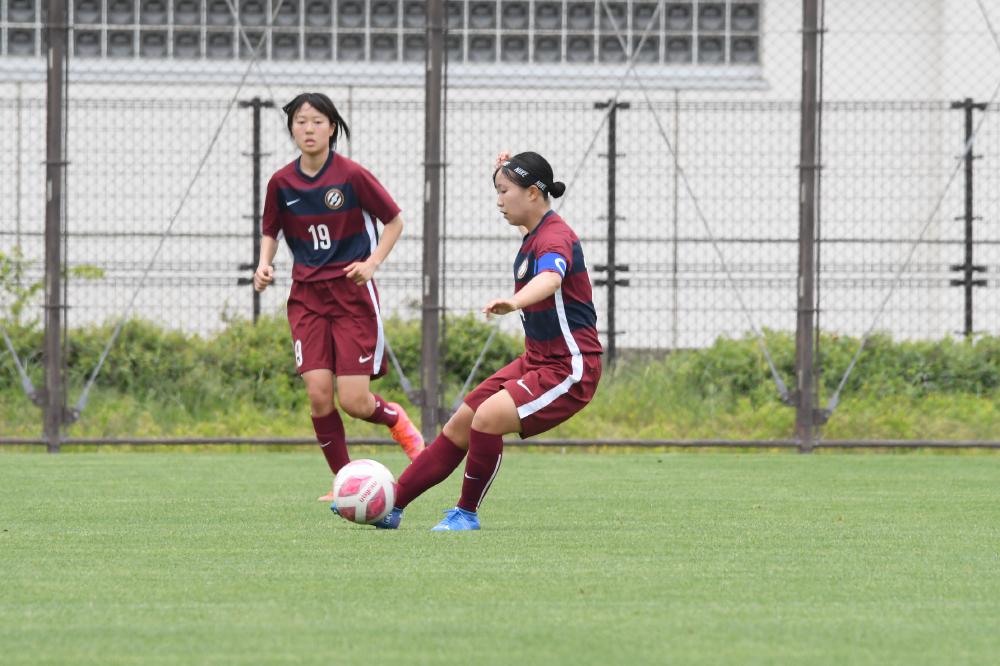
(456, 520)
(333, 507)
(391, 520)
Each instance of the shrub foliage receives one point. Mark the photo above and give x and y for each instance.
(254, 362)
(244, 361)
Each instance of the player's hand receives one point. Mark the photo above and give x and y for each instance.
(262, 277)
(499, 306)
(360, 272)
(502, 157)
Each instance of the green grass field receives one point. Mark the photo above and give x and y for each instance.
(627, 558)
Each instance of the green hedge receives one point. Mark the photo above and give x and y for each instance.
(255, 362)
(242, 382)
(245, 361)
(738, 367)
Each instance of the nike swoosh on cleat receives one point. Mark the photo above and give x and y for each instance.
(365, 359)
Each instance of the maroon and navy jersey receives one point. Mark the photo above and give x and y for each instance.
(328, 219)
(564, 324)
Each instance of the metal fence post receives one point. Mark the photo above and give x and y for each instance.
(675, 219)
(805, 397)
(612, 267)
(55, 170)
(431, 315)
(256, 104)
(967, 268)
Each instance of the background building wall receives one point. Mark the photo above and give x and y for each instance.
(701, 233)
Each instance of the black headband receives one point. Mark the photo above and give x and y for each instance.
(523, 176)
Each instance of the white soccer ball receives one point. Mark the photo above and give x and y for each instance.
(364, 491)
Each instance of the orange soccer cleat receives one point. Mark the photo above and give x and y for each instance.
(405, 433)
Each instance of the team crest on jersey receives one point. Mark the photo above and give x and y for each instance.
(333, 198)
(522, 270)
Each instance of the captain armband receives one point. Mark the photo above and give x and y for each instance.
(552, 261)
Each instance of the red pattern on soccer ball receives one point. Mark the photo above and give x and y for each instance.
(347, 512)
(352, 485)
(376, 504)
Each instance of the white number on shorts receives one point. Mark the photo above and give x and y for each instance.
(298, 353)
(321, 236)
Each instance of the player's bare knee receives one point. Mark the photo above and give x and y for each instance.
(320, 398)
(457, 432)
(357, 406)
(485, 421)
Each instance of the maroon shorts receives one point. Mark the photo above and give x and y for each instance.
(336, 325)
(545, 394)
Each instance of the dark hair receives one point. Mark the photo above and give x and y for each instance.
(527, 169)
(324, 105)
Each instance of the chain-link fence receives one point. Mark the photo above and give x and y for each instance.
(707, 100)
(894, 195)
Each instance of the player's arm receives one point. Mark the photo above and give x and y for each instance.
(270, 228)
(264, 275)
(538, 289)
(363, 271)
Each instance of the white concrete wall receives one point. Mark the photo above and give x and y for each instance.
(884, 172)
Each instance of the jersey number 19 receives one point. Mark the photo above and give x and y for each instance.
(321, 236)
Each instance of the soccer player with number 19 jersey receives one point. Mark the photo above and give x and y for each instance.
(555, 377)
(327, 206)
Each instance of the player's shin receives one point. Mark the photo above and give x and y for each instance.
(481, 467)
(430, 468)
(383, 414)
(332, 440)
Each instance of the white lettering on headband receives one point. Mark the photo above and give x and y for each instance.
(523, 173)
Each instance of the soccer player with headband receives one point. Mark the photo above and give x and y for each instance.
(555, 377)
(327, 205)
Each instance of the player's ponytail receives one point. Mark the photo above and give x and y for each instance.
(324, 105)
(527, 169)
